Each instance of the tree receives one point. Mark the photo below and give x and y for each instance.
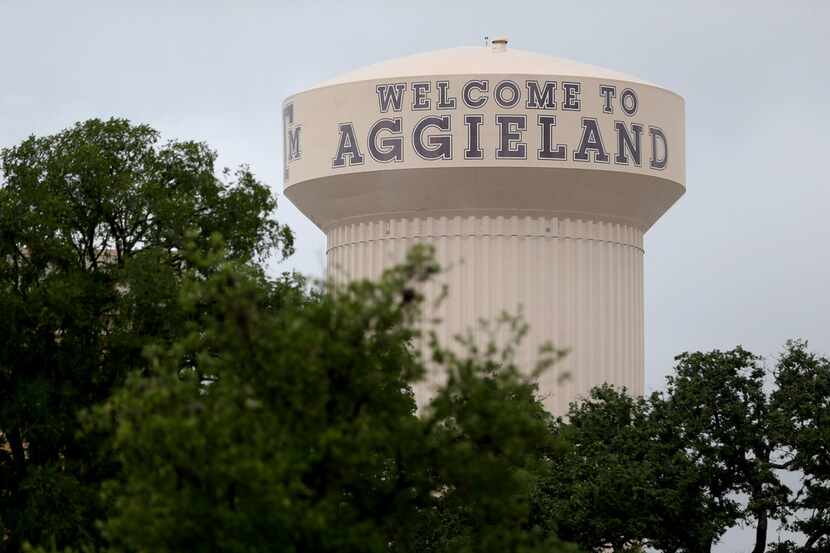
(595, 493)
(623, 480)
(676, 470)
(717, 402)
(801, 406)
(279, 423)
(92, 225)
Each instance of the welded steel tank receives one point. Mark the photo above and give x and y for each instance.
(534, 177)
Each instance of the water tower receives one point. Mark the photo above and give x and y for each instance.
(534, 177)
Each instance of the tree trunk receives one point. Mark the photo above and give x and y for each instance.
(18, 452)
(761, 533)
(812, 541)
(11, 543)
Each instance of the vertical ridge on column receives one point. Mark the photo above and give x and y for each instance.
(579, 283)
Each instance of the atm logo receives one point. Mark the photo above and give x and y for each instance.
(292, 134)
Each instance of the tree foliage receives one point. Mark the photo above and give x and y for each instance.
(718, 402)
(92, 225)
(290, 425)
(676, 470)
(801, 410)
(622, 481)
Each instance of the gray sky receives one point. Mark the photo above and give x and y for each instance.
(743, 258)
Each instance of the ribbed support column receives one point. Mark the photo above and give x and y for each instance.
(578, 284)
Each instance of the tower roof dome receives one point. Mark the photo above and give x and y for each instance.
(495, 60)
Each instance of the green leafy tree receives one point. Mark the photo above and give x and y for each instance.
(676, 470)
(801, 405)
(281, 424)
(92, 225)
(623, 481)
(490, 446)
(595, 493)
(717, 402)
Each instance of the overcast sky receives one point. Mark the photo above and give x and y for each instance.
(742, 258)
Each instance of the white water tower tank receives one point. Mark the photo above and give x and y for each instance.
(534, 177)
